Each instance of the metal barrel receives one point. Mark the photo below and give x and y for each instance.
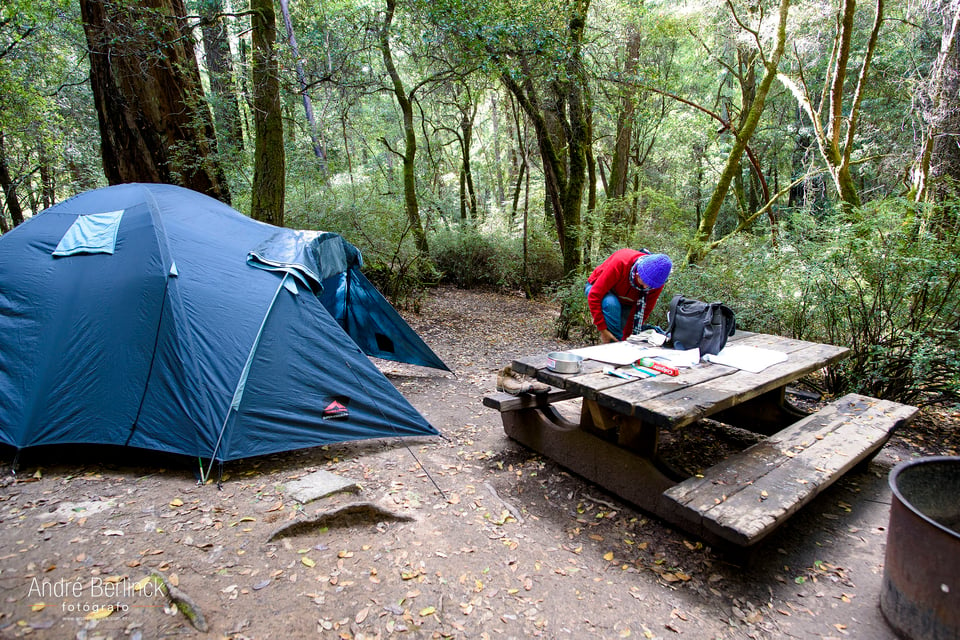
(920, 596)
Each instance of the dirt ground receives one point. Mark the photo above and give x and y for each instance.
(482, 539)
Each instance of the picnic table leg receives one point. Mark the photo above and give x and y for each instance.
(637, 478)
(766, 414)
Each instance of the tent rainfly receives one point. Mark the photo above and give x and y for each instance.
(155, 317)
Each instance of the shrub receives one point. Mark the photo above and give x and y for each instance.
(467, 258)
(890, 292)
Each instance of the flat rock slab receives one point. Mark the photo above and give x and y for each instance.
(318, 484)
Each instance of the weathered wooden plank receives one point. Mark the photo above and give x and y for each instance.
(746, 496)
(722, 392)
(502, 401)
(744, 468)
(635, 398)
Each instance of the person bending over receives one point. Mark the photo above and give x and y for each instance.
(623, 290)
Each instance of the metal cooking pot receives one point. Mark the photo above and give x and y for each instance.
(563, 362)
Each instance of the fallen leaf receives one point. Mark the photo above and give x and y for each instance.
(608, 556)
(176, 502)
(308, 562)
(427, 611)
(99, 613)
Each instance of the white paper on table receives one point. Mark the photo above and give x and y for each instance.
(752, 359)
(674, 357)
(621, 353)
(618, 353)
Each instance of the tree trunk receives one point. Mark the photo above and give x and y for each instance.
(617, 186)
(835, 147)
(48, 191)
(497, 165)
(9, 189)
(216, 46)
(318, 149)
(155, 125)
(563, 135)
(467, 115)
(411, 205)
(269, 178)
(698, 249)
(939, 156)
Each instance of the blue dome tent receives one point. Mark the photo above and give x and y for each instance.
(152, 316)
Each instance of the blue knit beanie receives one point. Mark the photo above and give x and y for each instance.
(653, 269)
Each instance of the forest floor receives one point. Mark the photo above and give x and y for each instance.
(466, 536)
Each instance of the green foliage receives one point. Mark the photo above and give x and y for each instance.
(880, 286)
(468, 258)
(574, 322)
(892, 294)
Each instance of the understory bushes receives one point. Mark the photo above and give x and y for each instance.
(890, 290)
(468, 259)
(878, 284)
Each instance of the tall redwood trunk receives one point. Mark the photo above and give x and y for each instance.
(155, 125)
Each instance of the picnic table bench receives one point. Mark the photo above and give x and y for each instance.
(739, 500)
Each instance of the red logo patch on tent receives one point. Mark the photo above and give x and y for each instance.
(335, 410)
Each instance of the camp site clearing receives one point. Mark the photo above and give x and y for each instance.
(468, 535)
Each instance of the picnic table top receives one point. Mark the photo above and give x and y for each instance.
(699, 391)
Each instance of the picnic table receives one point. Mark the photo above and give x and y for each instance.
(738, 501)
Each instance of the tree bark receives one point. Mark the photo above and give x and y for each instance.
(269, 172)
(409, 154)
(9, 190)
(155, 124)
(219, 60)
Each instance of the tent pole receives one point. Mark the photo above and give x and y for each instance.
(346, 300)
(242, 382)
(153, 359)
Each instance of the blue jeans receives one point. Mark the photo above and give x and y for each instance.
(613, 312)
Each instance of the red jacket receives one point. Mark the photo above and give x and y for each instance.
(613, 274)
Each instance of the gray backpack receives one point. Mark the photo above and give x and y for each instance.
(692, 323)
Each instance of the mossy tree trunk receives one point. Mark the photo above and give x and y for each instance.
(269, 174)
(409, 154)
(562, 126)
(698, 248)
